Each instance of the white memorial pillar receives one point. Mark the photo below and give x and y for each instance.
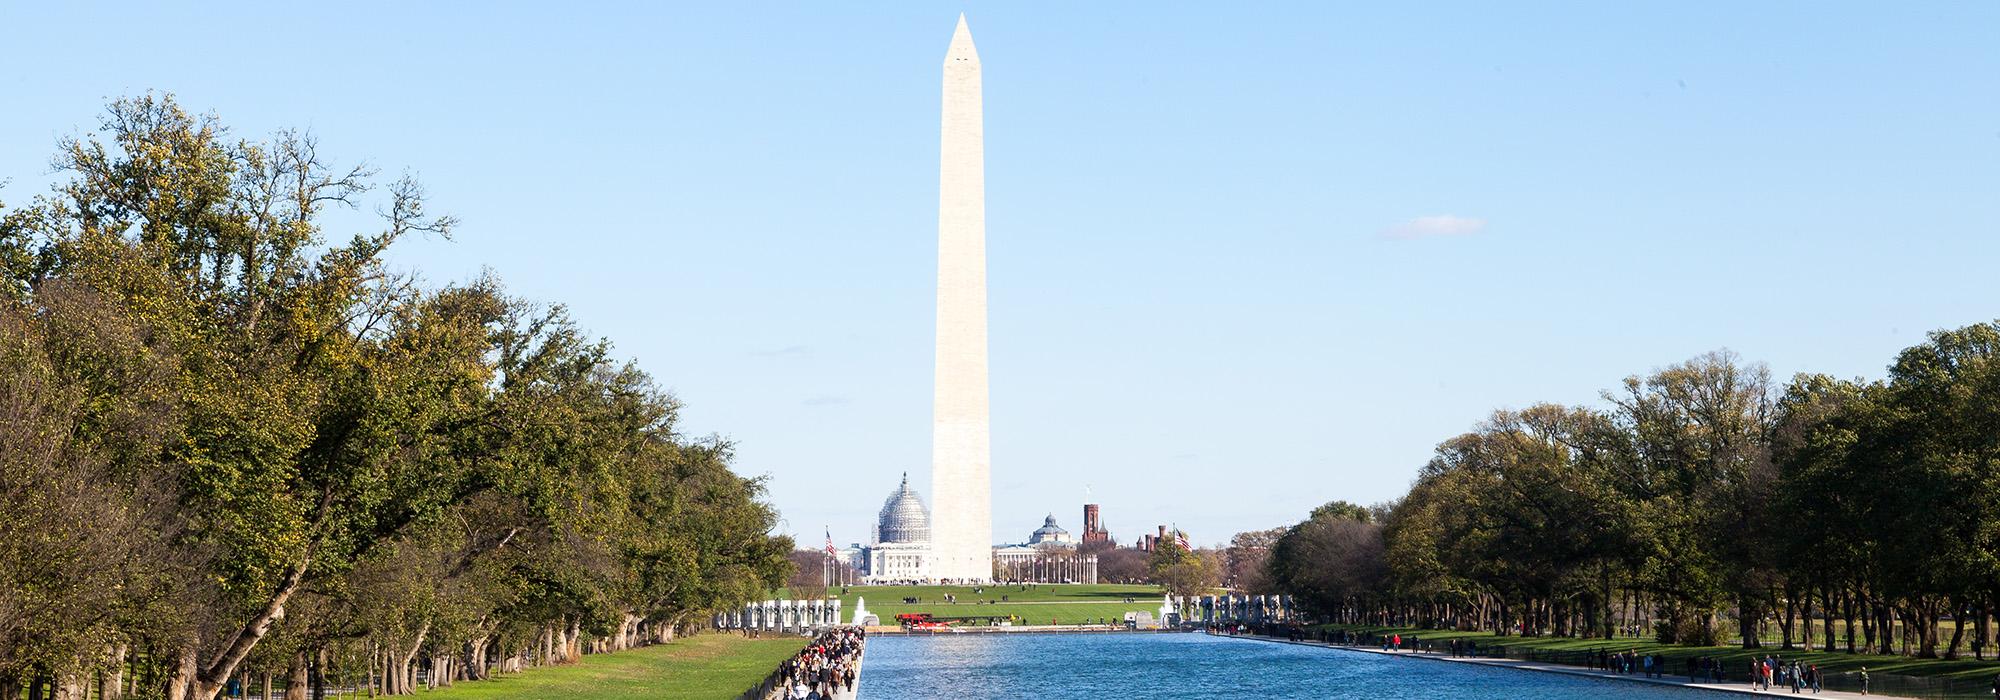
(961, 452)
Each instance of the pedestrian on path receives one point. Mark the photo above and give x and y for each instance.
(1864, 680)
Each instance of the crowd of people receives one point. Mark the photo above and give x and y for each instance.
(1628, 662)
(827, 666)
(1771, 670)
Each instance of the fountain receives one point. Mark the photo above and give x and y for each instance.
(861, 615)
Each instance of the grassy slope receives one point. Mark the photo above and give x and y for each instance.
(1066, 604)
(719, 666)
(1735, 658)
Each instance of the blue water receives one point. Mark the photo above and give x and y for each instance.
(1165, 666)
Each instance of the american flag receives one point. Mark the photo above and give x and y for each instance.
(1180, 538)
(829, 542)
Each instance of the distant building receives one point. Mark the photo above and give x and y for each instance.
(1050, 533)
(854, 556)
(1049, 556)
(901, 550)
(1093, 526)
(1150, 542)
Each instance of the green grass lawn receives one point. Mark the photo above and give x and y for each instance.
(715, 665)
(1066, 604)
(1735, 658)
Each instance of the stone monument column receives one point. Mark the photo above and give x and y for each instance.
(961, 453)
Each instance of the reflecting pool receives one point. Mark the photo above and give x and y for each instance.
(1126, 666)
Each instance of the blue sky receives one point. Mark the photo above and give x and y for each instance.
(1243, 260)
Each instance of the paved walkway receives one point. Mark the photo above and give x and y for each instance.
(853, 692)
(1739, 688)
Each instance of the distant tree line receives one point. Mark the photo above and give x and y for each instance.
(235, 449)
(1699, 504)
(1174, 569)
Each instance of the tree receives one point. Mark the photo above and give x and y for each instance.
(1832, 541)
(1123, 565)
(1180, 571)
(1333, 563)
(1698, 469)
(1342, 509)
(808, 579)
(282, 456)
(1942, 462)
(1245, 560)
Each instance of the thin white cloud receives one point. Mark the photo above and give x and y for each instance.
(818, 401)
(1435, 226)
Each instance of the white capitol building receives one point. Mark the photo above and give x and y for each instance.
(899, 550)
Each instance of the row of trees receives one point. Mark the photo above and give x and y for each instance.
(1699, 503)
(232, 448)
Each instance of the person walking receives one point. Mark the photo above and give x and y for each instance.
(1864, 680)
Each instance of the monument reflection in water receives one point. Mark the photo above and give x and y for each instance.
(1096, 666)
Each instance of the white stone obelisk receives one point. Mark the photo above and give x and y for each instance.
(961, 455)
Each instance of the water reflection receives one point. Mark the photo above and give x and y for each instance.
(1168, 666)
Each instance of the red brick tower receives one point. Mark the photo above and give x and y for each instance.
(1093, 529)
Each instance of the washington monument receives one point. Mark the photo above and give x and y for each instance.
(961, 455)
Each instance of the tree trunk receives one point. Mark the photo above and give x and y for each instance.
(318, 674)
(401, 676)
(182, 681)
(475, 659)
(297, 678)
(71, 687)
(1847, 615)
(1791, 618)
(1806, 610)
(1986, 631)
(1927, 633)
(1747, 617)
(211, 679)
(1957, 632)
(1868, 620)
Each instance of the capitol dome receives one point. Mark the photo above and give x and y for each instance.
(904, 518)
